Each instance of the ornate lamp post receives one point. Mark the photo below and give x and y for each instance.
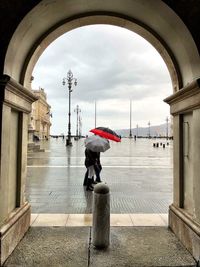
(77, 110)
(69, 81)
(80, 126)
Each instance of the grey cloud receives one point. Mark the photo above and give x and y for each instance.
(109, 63)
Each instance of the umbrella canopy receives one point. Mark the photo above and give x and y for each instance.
(106, 133)
(97, 143)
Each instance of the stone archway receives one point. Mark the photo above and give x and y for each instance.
(106, 18)
(47, 20)
(159, 25)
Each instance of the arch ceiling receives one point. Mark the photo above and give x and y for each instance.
(153, 20)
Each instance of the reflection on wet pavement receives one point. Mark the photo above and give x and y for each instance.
(138, 174)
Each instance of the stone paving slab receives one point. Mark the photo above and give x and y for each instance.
(140, 247)
(52, 247)
(72, 247)
(45, 219)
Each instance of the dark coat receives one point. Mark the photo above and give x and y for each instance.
(91, 158)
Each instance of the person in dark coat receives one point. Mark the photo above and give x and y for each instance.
(92, 163)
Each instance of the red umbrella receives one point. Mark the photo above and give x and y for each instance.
(106, 133)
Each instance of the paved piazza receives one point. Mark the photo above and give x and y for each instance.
(138, 174)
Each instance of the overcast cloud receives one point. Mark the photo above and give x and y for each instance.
(112, 66)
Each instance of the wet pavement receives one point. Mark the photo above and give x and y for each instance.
(138, 174)
(140, 181)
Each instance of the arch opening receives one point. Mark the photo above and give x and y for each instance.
(109, 20)
(78, 91)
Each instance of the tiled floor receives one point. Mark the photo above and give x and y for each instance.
(86, 219)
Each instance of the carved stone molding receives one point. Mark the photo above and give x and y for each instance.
(15, 95)
(186, 99)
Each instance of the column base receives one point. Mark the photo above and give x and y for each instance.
(13, 230)
(186, 229)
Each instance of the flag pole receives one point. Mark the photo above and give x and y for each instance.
(95, 114)
(130, 134)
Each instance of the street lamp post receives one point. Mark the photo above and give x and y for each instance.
(77, 110)
(137, 129)
(149, 124)
(80, 126)
(130, 133)
(167, 120)
(69, 81)
(95, 114)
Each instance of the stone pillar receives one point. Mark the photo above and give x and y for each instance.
(101, 216)
(14, 210)
(30, 130)
(31, 144)
(177, 174)
(184, 213)
(196, 163)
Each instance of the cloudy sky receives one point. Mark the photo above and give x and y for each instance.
(113, 66)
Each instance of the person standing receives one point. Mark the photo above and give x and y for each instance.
(98, 168)
(92, 159)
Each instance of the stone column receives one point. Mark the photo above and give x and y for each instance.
(31, 144)
(30, 130)
(14, 210)
(177, 171)
(184, 213)
(196, 163)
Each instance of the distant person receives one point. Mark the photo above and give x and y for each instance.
(92, 163)
(36, 138)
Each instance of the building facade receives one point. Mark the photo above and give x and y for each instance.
(40, 115)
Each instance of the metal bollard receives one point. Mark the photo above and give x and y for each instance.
(101, 216)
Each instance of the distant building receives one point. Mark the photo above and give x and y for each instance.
(40, 115)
